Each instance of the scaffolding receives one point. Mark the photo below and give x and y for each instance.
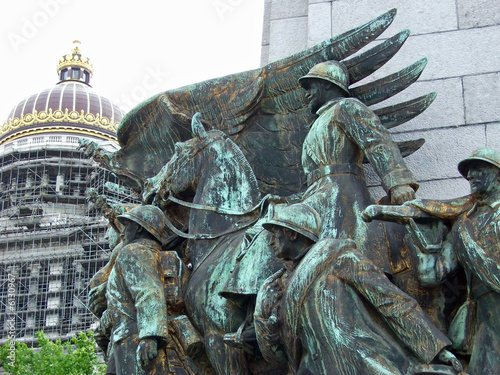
(52, 240)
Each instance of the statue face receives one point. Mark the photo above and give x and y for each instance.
(113, 237)
(129, 232)
(280, 242)
(288, 244)
(483, 178)
(319, 92)
(316, 95)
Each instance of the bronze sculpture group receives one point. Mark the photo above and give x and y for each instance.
(319, 280)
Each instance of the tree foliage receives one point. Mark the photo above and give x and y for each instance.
(77, 357)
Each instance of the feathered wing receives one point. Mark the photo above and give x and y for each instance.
(264, 110)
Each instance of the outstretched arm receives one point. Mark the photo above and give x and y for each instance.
(436, 258)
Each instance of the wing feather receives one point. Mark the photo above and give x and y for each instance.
(398, 114)
(379, 90)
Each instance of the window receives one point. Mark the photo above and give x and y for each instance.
(55, 286)
(64, 74)
(56, 269)
(75, 73)
(52, 320)
(53, 303)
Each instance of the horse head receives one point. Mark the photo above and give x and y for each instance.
(177, 176)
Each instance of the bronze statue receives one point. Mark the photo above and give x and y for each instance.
(135, 295)
(264, 111)
(97, 294)
(333, 311)
(473, 243)
(344, 133)
(97, 302)
(223, 204)
(210, 188)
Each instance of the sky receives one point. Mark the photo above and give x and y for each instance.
(138, 48)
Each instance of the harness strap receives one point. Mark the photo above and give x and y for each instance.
(210, 236)
(218, 210)
(207, 236)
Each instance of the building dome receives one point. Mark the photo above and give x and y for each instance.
(69, 107)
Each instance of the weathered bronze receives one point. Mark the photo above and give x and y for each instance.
(473, 243)
(250, 273)
(334, 304)
(135, 294)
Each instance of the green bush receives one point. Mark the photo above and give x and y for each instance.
(77, 357)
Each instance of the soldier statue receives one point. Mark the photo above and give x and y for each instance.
(137, 307)
(333, 311)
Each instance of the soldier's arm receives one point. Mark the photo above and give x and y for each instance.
(436, 258)
(364, 128)
(143, 276)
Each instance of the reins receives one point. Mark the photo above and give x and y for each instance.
(209, 236)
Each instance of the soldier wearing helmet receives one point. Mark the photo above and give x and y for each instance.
(344, 133)
(333, 303)
(474, 243)
(135, 294)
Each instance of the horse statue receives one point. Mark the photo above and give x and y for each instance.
(209, 175)
(209, 187)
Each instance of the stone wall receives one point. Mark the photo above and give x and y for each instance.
(460, 38)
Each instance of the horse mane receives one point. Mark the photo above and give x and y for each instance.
(240, 157)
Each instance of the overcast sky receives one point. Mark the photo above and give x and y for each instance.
(138, 48)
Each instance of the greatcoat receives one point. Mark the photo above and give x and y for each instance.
(137, 305)
(338, 313)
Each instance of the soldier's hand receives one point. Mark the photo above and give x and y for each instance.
(97, 300)
(401, 194)
(102, 341)
(106, 323)
(146, 351)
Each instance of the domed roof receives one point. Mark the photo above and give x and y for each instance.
(71, 106)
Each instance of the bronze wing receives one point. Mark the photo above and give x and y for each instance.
(264, 110)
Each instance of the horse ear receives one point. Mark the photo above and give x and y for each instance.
(197, 127)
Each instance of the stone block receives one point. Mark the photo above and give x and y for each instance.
(478, 13)
(443, 149)
(443, 189)
(264, 56)
(423, 16)
(266, 26)
(446, 110)
(493, 136)
(320, 1)
(320, 23)
(482, 98)
(288, 36)
(451, 54)
(435, 164)
(288, 9)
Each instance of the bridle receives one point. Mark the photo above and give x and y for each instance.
(210, 236)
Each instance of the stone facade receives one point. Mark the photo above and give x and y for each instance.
(460, 38)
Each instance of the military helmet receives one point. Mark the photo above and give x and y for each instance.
(151, 218)
(331, 71)
(487, 155)
(297, 217)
